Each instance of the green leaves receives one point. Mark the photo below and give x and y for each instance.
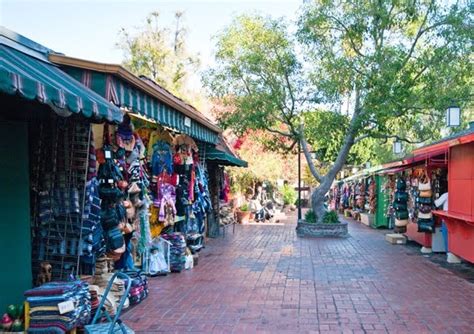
(258, 73)
(405, 61)
(160, 54)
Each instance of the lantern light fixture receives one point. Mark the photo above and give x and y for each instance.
(453, 116)
(397, 147)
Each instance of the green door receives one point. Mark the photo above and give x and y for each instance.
(15, 235)
(382, 202)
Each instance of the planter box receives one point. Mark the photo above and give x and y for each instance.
(338, 230)
(367, 218)
(243, 217)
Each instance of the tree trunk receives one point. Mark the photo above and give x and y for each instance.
(318, 195)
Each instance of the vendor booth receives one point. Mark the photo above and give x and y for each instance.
(101, 174)
(459, 216)
(363, 196)
(36, 97)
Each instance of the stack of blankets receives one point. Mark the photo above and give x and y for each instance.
(177, 250)
(44, 310)
(138, 288)
(94, 291)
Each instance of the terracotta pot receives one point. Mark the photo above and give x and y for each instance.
(243, 217)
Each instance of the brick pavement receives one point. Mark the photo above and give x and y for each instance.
(264, 279)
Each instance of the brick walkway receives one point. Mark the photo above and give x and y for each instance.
(265, 279)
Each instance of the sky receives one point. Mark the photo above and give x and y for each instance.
(89, 29)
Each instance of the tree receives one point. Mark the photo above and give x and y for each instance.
(398, 64)
(160, 53)
(263, 165)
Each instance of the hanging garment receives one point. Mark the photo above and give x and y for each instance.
(168, 198)
(155, 136)
(162, 159)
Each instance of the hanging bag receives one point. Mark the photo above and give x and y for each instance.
(424, 200)
(426, 193)
(401, 184)
(424, 182)
(425, 208)
(401, 215)
(422, 215)
(401, 222)
(400, 206)
(401, 196)
(425, 225)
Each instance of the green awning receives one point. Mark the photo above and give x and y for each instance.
(220, 154)
(223, 158)
(126, 95)
(23, 72)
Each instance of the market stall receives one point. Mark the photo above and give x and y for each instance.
(91, 188)
(43, 111)
(363, 197)
(459, 214)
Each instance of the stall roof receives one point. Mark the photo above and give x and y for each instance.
(139, 94)
(222, 154)
(465, 136)
(430, 151)
(26, 71)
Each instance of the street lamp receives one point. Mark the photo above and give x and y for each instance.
(300, 216)
(453, 116)
(397, 147)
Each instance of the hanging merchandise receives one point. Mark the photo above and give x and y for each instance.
(400, 205)
(425, 219)
(65, 201)
(372, 196)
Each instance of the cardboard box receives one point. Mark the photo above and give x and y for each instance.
(396, 239)
(367, 219)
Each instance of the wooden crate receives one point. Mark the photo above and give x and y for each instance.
(396, 239)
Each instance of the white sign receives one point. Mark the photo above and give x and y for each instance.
(66, 307)
(187, 122)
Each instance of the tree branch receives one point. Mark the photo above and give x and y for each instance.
(304, 146)
(281, 133)
(356, 50)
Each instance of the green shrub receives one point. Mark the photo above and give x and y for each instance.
(331, 217)
(244, 207)
(310, 217)
(289, 194)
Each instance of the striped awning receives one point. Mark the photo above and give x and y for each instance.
(224, 158)
(220, 154)
(128, 96)
(37, 79)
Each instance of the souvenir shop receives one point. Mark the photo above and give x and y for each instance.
(411, 196)
(217, 158)
(89, 188)
(45, 130)
(361, 197)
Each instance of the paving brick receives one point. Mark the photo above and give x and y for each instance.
(263, 279)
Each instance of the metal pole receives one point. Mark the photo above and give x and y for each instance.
(299, 181)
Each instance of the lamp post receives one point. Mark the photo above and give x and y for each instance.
(453, 116)
(299, 181)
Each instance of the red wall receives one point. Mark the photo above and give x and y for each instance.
(461, 179)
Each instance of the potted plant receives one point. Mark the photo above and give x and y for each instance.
(329, 226)
(243, 214)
